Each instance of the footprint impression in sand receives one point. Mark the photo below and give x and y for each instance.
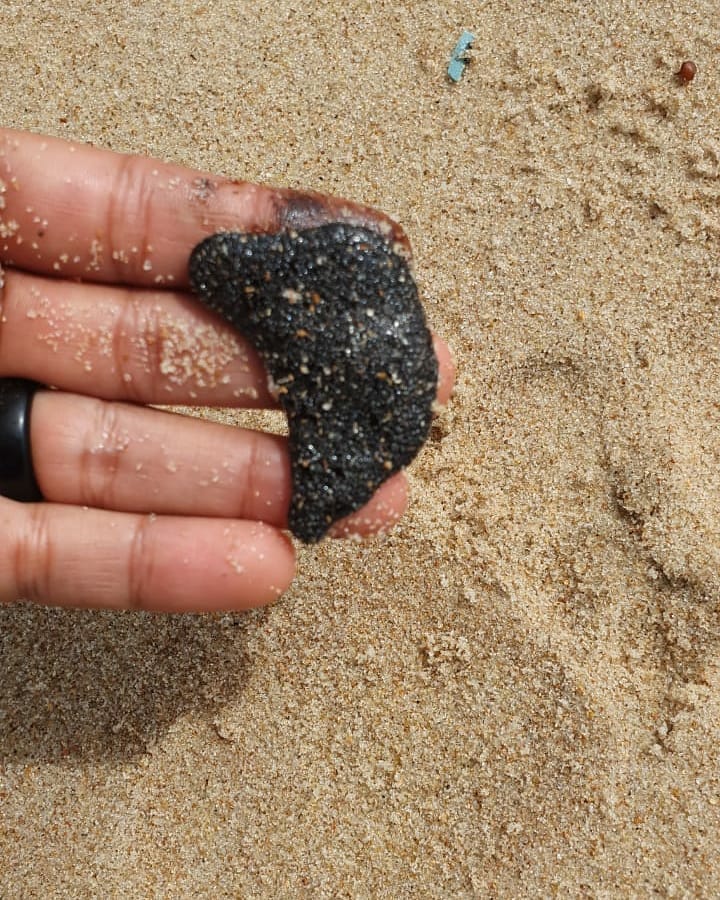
(662, 434)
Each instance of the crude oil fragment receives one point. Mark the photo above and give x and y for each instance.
(335, 315)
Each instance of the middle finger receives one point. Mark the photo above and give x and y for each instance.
(135, 344)
(125, 344)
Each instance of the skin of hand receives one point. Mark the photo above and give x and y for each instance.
(146, 509)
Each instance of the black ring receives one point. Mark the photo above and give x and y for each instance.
(17, 477)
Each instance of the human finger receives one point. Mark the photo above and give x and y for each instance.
(383, 511)
(137, 344)
(72, 210)
(69, 556)
(88, 452)
(446, 369)
(108, 455)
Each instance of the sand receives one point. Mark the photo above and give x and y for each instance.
(516, 692)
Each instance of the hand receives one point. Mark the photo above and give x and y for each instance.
(145, 509)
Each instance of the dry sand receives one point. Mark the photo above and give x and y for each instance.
(516, 693)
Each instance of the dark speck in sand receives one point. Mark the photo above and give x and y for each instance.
(334, 313)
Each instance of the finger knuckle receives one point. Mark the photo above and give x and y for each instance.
(130, 203)
(102, 456)
(248, 485)
(140, 564)
(133, 346)
(33, 556)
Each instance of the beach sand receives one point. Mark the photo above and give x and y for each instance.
(516, 692)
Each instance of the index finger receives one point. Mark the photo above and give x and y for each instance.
(75, 211)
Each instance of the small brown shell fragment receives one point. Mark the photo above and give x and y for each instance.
(687, 71)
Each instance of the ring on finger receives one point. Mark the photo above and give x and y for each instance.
(17, 474)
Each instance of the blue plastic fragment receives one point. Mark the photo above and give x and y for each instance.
(458, 59)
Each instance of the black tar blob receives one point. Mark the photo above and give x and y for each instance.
(334, 314)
